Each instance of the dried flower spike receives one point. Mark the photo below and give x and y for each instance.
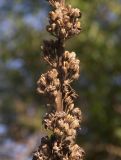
(63, 119)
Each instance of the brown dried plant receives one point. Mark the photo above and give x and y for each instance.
(63, 119)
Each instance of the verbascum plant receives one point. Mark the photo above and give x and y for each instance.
(63, 118)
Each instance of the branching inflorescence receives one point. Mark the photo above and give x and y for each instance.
(63, 119)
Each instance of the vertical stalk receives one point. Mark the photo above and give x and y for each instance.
(64, 118)
(60, 52)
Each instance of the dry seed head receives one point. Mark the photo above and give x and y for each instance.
(71, 132)
(75, 124)
(64, 21)
(63, 24)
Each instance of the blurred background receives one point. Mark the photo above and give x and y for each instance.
(22, 30)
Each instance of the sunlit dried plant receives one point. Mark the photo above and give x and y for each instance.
(63, 119)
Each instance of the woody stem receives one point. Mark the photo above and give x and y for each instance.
(59, 98)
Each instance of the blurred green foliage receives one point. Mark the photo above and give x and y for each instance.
(99, 49)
